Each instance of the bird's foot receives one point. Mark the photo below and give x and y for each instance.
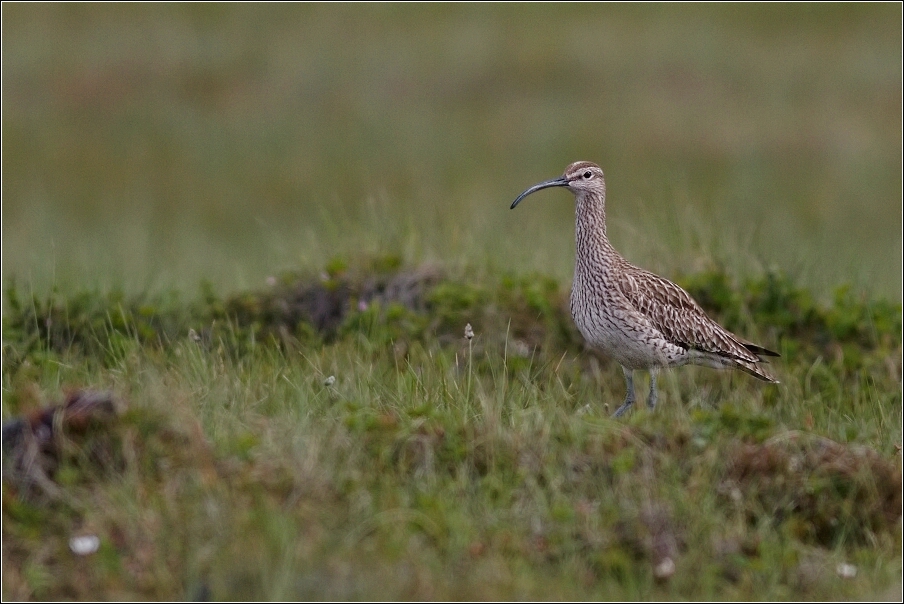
(625, 406)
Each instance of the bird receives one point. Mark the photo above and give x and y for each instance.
(637, 318)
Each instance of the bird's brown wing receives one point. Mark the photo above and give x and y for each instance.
(680, 320)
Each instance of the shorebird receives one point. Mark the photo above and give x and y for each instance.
(633, 316)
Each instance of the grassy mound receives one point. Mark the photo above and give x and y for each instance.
(385, 302)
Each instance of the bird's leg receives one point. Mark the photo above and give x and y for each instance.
(629, 397)
(651, 400)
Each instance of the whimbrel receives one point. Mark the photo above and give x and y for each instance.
(633, 316)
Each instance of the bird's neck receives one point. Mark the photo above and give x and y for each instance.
(593, 248)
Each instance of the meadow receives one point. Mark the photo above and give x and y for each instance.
(263, 230)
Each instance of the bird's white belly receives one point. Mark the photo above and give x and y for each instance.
(611, 326)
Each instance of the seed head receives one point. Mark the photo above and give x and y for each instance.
(469, 332)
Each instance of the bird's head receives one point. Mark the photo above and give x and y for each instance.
(579, 177)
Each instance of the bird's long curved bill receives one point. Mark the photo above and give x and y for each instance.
(553, 182)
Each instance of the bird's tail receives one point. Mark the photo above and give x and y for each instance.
(756, 370)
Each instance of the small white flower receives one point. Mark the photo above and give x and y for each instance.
(846, 571)
(664, 569)
(329, 381)
(469, 332)
(84, 545)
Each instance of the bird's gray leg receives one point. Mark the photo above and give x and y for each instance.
(629, 397)
(651, 400)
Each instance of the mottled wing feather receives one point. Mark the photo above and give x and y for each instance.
(759, 350)
(675, 314)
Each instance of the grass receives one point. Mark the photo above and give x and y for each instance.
(262, 231)
(275, 454)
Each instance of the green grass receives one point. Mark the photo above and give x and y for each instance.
(316, 191)
(431, 467)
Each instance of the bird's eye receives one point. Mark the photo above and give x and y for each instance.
(588, 174)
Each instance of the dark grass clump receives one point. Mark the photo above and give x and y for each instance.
(320, 308)
(826, 493)
(36, 445)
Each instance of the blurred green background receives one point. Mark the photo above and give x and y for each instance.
(151, 147)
